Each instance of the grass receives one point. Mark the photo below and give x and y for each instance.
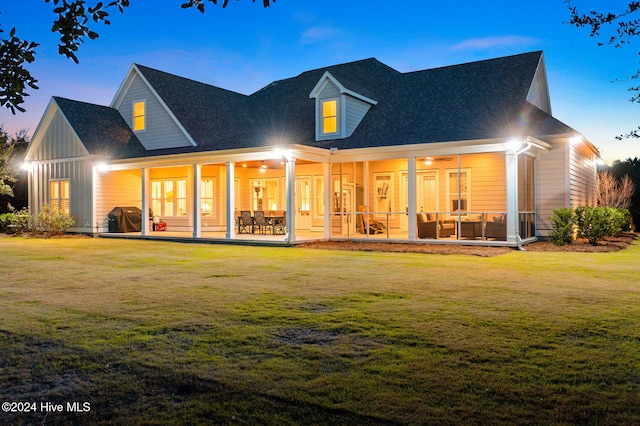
(164, 333)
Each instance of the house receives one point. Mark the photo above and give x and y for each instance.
(464, 154)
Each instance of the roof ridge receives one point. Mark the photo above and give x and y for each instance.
(142, 69)
(538, 52)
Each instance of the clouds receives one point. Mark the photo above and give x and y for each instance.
(318, 34)
(494, 42)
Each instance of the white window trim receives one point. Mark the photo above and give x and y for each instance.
(175, 197)
(449, 172)
(214, 207)
(339, 120)
(144, 116)
(389, 195)
(59, 199)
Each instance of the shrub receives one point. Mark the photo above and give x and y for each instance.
(52, 221)
(594, 223)
(563, 222)
(19, 219)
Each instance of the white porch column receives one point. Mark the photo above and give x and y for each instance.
(411, 187)
(231, 197)
(145, 201)
(290, 203)
(197, 201)
(512, 196)
(327, 200)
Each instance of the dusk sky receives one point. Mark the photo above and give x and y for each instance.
(245, 47)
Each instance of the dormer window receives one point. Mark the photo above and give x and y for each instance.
(138, 116)
(339, 110)
(329, 116)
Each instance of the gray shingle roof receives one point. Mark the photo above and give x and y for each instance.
(101, 129)
(477, 100)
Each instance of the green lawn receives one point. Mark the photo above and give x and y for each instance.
(165, 333)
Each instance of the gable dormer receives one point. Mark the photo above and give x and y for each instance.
(147, 113)
(340, 107)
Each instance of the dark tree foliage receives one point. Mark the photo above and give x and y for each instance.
(72, 23)
(630, 167)
(616, 29)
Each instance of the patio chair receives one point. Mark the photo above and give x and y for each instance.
(245, 222)
(261, 222)
(279, 222)
(375, 226)
(428, 228)
(497, 228)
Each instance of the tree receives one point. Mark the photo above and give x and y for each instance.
(617, 28)
(8, 164)
(72, 24)
(630, 167)
(614, 192)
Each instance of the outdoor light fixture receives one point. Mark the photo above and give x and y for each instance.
(263, 167)
(428, 161)
(575, 140)
(26, 166)
(102, 167)
(514, 144)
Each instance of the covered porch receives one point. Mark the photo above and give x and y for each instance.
(474, 195)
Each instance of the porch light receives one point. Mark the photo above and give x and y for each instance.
(263, 167)
(428, 161)
(102, 167)
(281, 154)
(513, 144)
(26, 166)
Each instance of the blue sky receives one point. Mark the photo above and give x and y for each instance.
(245, 47)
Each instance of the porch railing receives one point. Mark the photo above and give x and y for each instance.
(469, 225)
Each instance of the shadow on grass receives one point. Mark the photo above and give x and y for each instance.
(123, 392)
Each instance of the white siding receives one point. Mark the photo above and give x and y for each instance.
(552, 186)
(79, 175)
(539, 91)
(58, 141)
(355, 112)
(330, 90)
(161, 131)
(582, 176)
(116, 189)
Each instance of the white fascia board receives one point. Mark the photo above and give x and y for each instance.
(43, 125)
(433, 149)
(124, 87)
(217, 157)
(327, 76)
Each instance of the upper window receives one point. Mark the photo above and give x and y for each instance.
(59, 195)
(138, 115)
(330, 116)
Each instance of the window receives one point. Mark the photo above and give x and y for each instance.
(169, 197)
(458, 190)
(206, 196)
(138, 116)
(330, 116)
(59, 195)
(264, 194)
(383, 193)
(319, 192)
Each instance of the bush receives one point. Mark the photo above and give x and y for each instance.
(52, 221)
(563, 223)
(49, 221)
(594, 223)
